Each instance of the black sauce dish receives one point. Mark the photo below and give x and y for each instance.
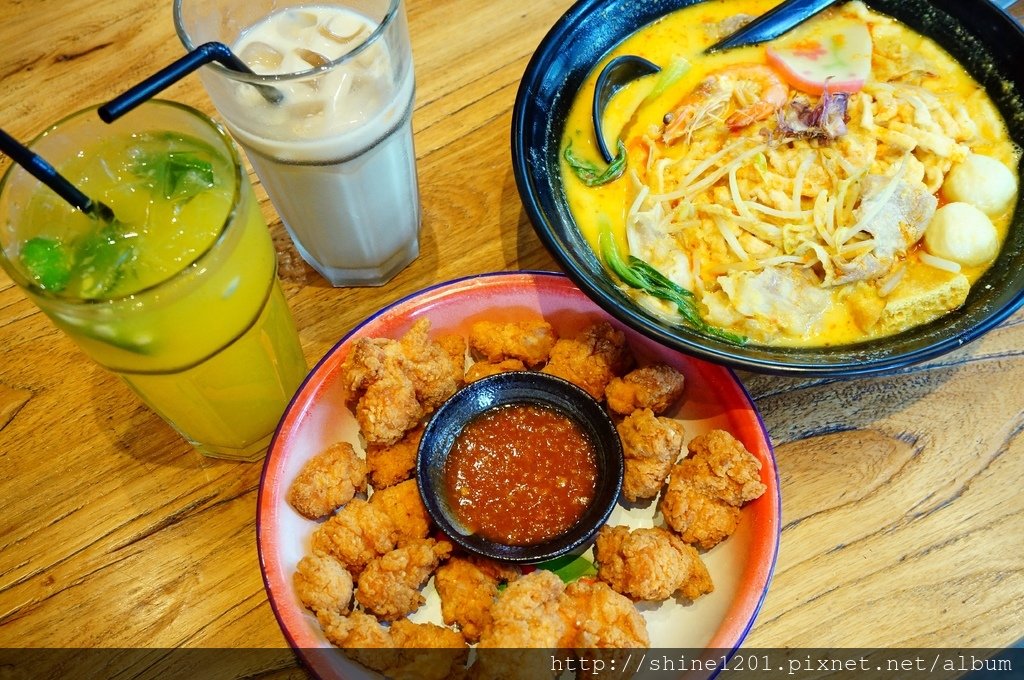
(520, 387)
(982, 37)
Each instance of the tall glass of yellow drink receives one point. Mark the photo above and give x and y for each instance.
(179, 294)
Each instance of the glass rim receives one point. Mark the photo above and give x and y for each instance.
(187, 267)
(270, 78)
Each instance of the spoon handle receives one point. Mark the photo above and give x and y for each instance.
(771, 24)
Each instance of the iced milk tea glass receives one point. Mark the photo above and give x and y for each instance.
(336, 153)
(179, 295)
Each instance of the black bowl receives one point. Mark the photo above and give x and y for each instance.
(520, 387)
(986, 41)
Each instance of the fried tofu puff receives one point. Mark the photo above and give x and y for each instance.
(403, 504)
(706, 490)
(389, 585)
(356, 534)
(649, 564)
(592, 359)
(323, 584)
(389, 465)
(656, 387)
(328, 481)
(395, 383)
(528, 341)
(468, 587)
(650, 445)
(483, 369)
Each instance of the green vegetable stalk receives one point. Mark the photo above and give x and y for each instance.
(636, 273)
(590, 174)
(668, 77)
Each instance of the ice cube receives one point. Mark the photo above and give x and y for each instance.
(308, 109)
(307, 117)
(297, 25)
(261, 57)
(312, 58)
(375, 61)
(343, 29)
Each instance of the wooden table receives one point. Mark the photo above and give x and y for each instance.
(903, 522)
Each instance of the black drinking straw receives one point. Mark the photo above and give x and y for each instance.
(204, 54)
(48, 175)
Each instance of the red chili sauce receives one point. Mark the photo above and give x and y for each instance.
(520, 474)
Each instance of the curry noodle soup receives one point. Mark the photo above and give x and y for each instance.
(844, 182)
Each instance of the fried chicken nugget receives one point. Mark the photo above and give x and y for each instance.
(432, 652)
(406, 650)
(655, 387)
(366, 362)
(455, 346)
(650, 445)
(529, 613)
(394, 383)
(649, 564)
(425, 636)
(601, 617)
(431, 368)
(706, 490)
(362, 637)
(358, 630)
(389, 465)
(528, 341)
(323, 583)
(389, 586)
(388, 408)
(483, 369)
(327, 481)
(591, 359)
(403, 504)
(467, 587)
(356, 534)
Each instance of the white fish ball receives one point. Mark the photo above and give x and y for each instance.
(962, 233)
(981, 181)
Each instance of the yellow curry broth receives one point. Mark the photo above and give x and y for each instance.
(852, 307)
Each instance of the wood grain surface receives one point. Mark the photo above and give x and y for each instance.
(903, 520)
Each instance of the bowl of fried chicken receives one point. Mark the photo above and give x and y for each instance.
(354, 560)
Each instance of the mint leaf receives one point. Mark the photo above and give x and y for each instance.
(47, 261)
(188, 175)
(100, 260)
(570, 568)
(177, 175)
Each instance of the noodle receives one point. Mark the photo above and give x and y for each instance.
(794, 198)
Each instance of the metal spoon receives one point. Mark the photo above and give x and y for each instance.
(616, 74)
(620, 71)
